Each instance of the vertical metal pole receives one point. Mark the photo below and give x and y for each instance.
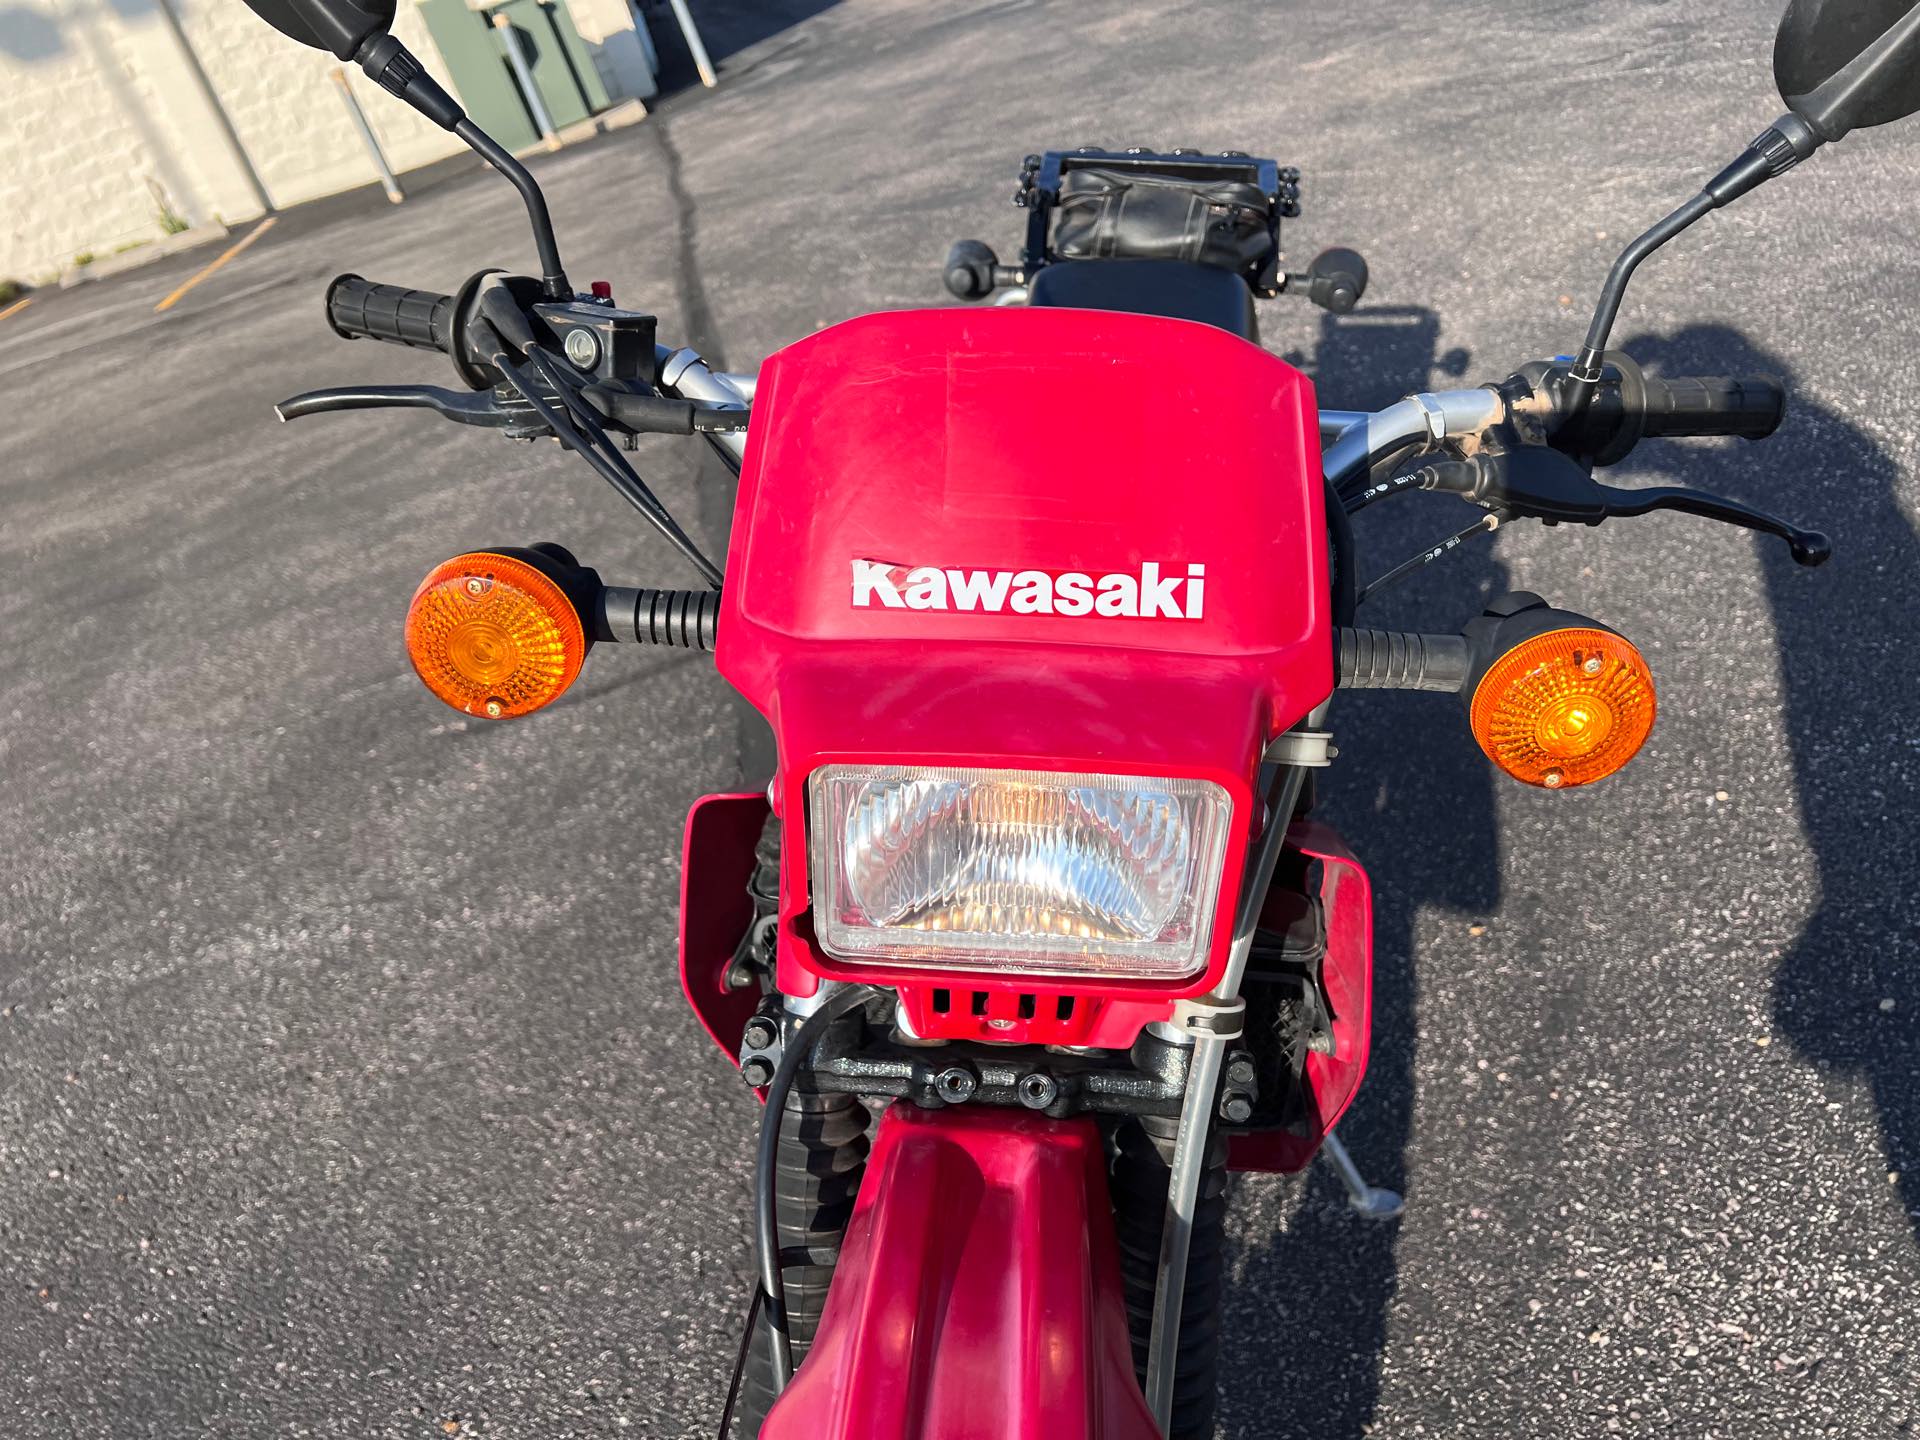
(394, 193)
(191, 59)
(523, 73)
(694, 47)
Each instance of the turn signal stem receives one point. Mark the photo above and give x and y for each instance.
(686, 619)
(1553, 698)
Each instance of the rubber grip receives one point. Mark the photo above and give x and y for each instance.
(1749, 406)
(419, 318)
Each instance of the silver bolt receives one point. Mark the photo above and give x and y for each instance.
(582, 348)
(1592, 664)
(1553, 779)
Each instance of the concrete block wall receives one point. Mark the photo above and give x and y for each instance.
(99, 105)
(287, 108)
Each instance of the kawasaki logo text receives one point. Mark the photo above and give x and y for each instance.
(1145, 594)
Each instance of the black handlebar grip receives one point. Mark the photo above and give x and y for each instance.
(420, 318)
(1751, 406)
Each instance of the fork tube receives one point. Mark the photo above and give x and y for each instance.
(1222, 1006)
(1176, 1232)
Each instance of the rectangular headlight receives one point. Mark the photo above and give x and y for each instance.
(1021, 871)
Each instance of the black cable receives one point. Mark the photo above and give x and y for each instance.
(1454, 477)
(766, 1231)
(616, 472)
(571, 388)
(1484, 525)
(740, 1363)
(1382, 462)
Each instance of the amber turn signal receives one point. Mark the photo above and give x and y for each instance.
(494, 635)
(1564, 707)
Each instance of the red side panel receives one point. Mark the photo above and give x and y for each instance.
(1347, 971)
(716, 863)
(978, 1292)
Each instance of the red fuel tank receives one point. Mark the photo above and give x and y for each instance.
(1033, 538)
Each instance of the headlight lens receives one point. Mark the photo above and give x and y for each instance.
(1022, 871)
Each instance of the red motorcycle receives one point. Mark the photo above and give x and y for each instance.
(1033, 936)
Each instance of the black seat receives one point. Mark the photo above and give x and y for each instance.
(1172, 288)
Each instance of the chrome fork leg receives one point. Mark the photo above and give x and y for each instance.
(1210, 1024)
(1176, 1234)
(1368, 1200)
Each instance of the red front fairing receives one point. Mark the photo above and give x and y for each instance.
(977, 1294)
(1054, 441)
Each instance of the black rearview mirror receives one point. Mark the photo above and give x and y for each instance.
(339, 26)
(1843, 65)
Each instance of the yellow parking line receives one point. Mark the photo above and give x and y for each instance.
(226, 255)
(16, 307)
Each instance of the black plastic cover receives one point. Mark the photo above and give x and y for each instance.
(1150, 287)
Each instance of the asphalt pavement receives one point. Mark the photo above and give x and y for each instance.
(345, 1084)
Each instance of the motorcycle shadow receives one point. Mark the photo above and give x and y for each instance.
(1846, 994)
(1306, 1325)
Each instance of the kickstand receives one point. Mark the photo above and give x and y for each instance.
(1368, 1200)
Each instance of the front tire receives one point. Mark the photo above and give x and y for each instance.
(1138, 1184)
(822, 1157)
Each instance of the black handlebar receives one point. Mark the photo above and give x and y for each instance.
(422, 319)
(1750, 407)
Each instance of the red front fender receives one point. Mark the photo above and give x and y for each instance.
(978, 1292)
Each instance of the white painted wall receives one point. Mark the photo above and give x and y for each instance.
(98, 105)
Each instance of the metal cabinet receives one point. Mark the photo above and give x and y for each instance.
(561, 65)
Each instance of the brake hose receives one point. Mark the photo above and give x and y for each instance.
(1346, 559)
(766, 1231)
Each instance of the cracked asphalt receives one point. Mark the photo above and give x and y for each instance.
(345, 1085)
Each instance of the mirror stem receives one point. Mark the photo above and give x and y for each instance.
(394, 68)
(1787, 142)
(553, 279)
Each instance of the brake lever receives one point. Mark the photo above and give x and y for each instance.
(1809, 547)
(462, 407)
(1543, 484)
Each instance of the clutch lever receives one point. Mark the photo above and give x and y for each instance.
(477, 407)
(1546, 485)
